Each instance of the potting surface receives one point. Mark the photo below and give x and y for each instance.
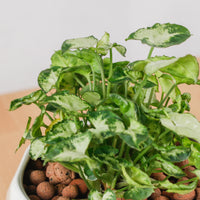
(12, 126)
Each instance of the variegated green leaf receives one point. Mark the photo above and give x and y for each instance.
(47, 78)
(136, 177)
(103, 45)
(26, 100)
(106, 124)
(109, 195)
(66, 101)
(119, 101)
(95, 195)
(121, 49)
(70, 149)
(161, 35)
(166, 84)
(170, 169)
(89, 57)
(138, 193)
(174, 153)
(37, 148)
(135, 135)
(62, 60)
(83, 42)
(93, 98)
(154, 66)
(177, 188)
(183, 124)
(62, 129)
(184, 70)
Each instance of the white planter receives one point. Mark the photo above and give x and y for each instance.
(16, 189)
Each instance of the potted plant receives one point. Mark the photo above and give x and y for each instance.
(107, 122)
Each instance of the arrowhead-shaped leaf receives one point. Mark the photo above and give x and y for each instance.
(69, 149)
(161, 35)
(62, 129)
(26, 100)
(66, 101)
(183, 124)
(83, 42)
(138, 193)
(47, 78)
(109, 195)
(135, 135)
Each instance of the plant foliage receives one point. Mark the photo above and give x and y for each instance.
(106, 120)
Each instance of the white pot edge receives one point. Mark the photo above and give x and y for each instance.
(16, 190)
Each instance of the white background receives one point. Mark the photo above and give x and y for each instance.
(30, 31)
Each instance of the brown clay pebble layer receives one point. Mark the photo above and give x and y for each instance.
(55, 182)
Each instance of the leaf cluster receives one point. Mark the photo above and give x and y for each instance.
(106, 119)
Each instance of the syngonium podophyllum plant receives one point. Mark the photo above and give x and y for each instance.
(106, 121)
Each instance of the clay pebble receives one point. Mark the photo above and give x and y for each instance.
(37, 177)
(45, 190)
(70, 191)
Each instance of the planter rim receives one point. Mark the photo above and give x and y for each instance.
(16, 190)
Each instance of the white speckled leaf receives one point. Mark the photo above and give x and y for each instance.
(84, 42)
(161, 35)
(183, 124)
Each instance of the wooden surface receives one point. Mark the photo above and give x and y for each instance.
(12, 126)
(13, 123)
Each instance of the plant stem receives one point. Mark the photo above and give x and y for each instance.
(163, 134)
(122, 149)
(93, 76)
(114, 143)
(103, 83)
(141, 154)
(126, 88)
(189, 180)
(150, 97)
(122, 189)
(49, 116)
(166, 96)
(115, 180)
(150, 52)
(127, 155)
(61, 115)
(110, 73)
(167, 102)
(79, 81)
(118, 173)
(89, 82)
(140, 87)
(83, 177)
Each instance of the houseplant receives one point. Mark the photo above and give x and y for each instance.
(106, 121)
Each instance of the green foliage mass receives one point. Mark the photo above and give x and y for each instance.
(106, 121)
